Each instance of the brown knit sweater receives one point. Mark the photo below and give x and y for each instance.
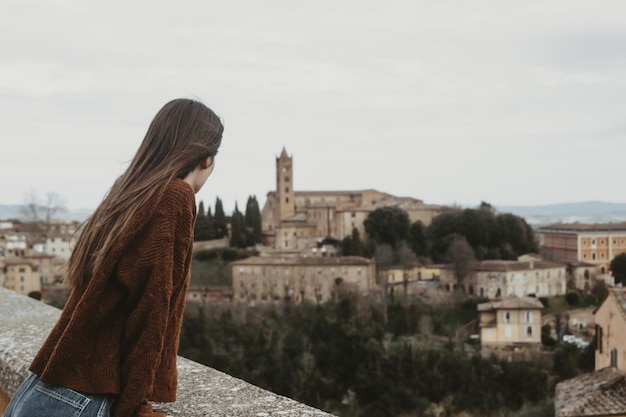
(120, 335)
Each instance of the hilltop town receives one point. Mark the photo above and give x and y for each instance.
(318, 247)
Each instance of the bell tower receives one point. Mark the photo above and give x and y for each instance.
(284, 186)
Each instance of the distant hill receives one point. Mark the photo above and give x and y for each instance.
(583, 212)
(12, 211)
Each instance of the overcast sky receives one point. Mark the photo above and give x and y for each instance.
(509, 102)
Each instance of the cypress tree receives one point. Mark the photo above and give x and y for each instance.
(237, 229)
(253, 220)
(219, 219)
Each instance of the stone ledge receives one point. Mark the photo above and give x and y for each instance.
(202, 391)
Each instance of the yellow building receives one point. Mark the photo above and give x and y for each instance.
(512, 321)
(295, 220)
(596, 244)
(611, 330)
(22, 275)
(293, 279)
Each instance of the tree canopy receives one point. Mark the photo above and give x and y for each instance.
(489, 234)
(618, 268)
(387, 225)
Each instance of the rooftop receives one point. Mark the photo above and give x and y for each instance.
(599, 393)
(511, 303)
(584, 227)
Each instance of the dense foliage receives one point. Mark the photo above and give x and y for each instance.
(245, 227)
(490, 235)
(618, 268)
(351, 360)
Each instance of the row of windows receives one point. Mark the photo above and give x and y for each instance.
(602, 241)
(512, 278)
(528, 316)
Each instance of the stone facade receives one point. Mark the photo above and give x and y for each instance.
(497, 279)
(264, 280)
(297, 220)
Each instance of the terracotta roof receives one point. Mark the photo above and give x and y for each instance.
(584, 227)
(511, 303)
(599, 393)
(313, 260)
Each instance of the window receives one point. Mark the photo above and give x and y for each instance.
(593, 256)
(512, 278)
(593, 241)
(507, 317)
(614, 358)
(507, 332)
(22, 270)
(529, 317)
(599, 338)
(286, 189)
(286, 179)
(529, 331)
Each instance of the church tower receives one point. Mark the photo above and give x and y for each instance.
(284, 186)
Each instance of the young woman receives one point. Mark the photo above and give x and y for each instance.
(114, 347)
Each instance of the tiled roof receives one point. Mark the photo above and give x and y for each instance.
(313, 260)
(584, 227)
(511, 303)
(599, 393)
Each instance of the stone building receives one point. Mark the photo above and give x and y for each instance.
(298, 220)
(261, 280)
(497, 279)
(22, 275)
(596, 244)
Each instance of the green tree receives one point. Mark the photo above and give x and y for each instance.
(418, 239)
(238, 237)
(461, 255)
(352, 245)
(387, 225)
(203, 229)
(219, 219)
(618, 268)
(253, 221)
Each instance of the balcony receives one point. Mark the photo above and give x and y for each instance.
(202, 391)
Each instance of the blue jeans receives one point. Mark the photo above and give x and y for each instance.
(38, 399)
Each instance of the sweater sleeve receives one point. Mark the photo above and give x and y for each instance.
(148, 273)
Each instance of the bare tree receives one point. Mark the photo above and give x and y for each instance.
(40, 212)
(461, 255)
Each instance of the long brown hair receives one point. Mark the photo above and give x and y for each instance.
(181, 136)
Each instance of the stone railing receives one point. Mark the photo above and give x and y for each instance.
(202, 391)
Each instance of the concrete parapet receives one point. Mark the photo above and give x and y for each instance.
(202, 391)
